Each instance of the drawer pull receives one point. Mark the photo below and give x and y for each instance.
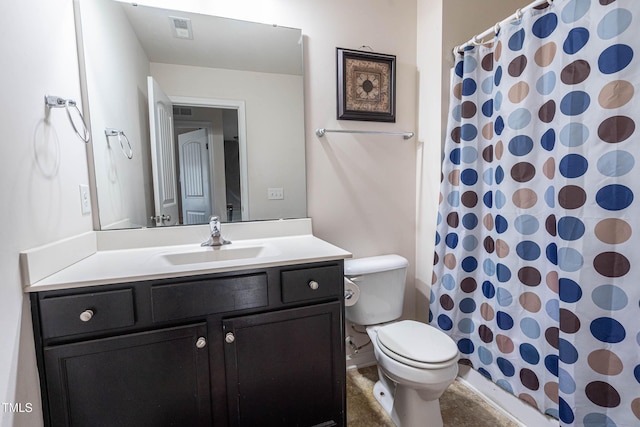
(229, 338)
(314, 285)
(201, 343)
(86, 315)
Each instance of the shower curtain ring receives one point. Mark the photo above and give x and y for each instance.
(476, 41)
(496, 28)
(549, 2)
(519, 14)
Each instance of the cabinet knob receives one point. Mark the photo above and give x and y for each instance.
(201, 343)
(229, 338)
(314, 285)
(86, 315)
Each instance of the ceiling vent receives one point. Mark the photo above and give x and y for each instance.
(181, 27)
(182, 111)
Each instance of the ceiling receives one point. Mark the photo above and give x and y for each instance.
(217, 42)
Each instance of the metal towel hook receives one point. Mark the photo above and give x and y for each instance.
(58, 102)
(120, 134)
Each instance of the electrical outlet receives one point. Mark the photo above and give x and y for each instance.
(275, 193)
(85, 199)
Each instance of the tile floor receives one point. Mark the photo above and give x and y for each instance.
(460, 406)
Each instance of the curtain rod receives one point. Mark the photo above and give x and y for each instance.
(406, 135)
(477, 39)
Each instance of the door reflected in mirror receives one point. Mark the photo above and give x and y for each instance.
(230, 125)
(200, 144)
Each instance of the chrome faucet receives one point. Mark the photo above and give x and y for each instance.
(216, 238)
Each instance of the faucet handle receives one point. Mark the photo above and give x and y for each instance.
(214, 223)
(216, 238)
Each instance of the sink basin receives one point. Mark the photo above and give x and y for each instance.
(220, 253)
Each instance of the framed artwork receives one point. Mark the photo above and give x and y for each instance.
(366, 86)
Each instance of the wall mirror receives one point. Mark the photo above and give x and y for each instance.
(191, 115)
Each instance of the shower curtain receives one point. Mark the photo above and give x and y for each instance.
(537, 261)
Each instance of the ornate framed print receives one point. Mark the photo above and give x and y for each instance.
(366, 86)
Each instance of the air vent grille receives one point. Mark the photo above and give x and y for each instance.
(182, 111)
(181, 27)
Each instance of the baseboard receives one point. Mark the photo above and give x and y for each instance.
(515, 409)
(362, 359)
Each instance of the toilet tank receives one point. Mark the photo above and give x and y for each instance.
(381, 282)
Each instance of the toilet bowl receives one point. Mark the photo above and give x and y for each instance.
(416, 362)
(409, 390)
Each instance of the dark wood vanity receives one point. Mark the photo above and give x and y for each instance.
(259, 347)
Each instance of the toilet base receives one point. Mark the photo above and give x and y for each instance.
(383, 396)
(406, 408)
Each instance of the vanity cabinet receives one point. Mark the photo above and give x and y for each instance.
(280, 367)
(246, 348)
(148, 378)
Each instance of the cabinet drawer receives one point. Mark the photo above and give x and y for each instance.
(200, 298)
(300, 284)
(83, 313)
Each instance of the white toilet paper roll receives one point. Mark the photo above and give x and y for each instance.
(351, 292)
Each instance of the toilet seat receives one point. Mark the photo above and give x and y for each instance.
(417, 344)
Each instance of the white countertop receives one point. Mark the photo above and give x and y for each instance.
(281, 244)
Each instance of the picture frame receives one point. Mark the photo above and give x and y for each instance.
(366, 86)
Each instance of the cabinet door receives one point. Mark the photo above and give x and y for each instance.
(156, 378)
(286, 368)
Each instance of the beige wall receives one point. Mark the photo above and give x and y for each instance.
(429, 52)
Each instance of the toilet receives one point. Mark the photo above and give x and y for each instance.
(416, 362)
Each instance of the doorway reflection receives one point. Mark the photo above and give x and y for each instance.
(208, 162)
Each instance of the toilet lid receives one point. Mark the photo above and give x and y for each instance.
(417, 342)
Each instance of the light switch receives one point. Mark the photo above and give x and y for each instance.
(275, 193)
(85, 199)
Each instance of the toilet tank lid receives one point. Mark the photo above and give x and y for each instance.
(374, 264)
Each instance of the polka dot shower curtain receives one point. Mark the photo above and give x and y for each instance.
(537, 263)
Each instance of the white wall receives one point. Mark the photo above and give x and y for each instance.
(117, 70)
(42, 163)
